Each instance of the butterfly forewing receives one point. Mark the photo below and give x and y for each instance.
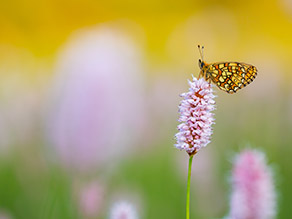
(231, 76)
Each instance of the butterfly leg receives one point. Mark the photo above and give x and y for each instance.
(207, 78)
(200, 74)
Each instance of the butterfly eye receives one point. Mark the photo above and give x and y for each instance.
(200, 63)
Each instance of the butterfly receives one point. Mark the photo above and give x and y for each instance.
(228, 76)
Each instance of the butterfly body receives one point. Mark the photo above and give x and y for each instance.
(228, 76)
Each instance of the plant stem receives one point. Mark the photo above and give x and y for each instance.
(188, 188)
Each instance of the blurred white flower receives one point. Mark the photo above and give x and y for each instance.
(253, 193)
(98, 98)
(123, 210)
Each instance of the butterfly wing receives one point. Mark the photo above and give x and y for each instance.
(231, 76)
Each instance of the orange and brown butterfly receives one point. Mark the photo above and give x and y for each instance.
(228, 76)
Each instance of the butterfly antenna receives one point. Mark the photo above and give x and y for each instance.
(201, 52)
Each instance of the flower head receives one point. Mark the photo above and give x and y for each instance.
(123, 210)
(196, 117)
(253, 195)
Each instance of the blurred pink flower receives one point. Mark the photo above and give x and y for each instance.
(90, 198)
(253, 194)
(195, 116)
(98, 98)
(123, 210)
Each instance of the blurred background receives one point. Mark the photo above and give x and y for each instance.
(89, 96)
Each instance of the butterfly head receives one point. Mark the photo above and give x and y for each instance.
(201, 64)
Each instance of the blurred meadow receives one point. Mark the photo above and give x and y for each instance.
(89, 96)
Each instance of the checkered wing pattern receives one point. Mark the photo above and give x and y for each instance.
(231, 76)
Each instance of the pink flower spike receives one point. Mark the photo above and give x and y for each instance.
(253, 193)
(196, 117)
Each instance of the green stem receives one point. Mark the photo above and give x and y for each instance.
(188, 188)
